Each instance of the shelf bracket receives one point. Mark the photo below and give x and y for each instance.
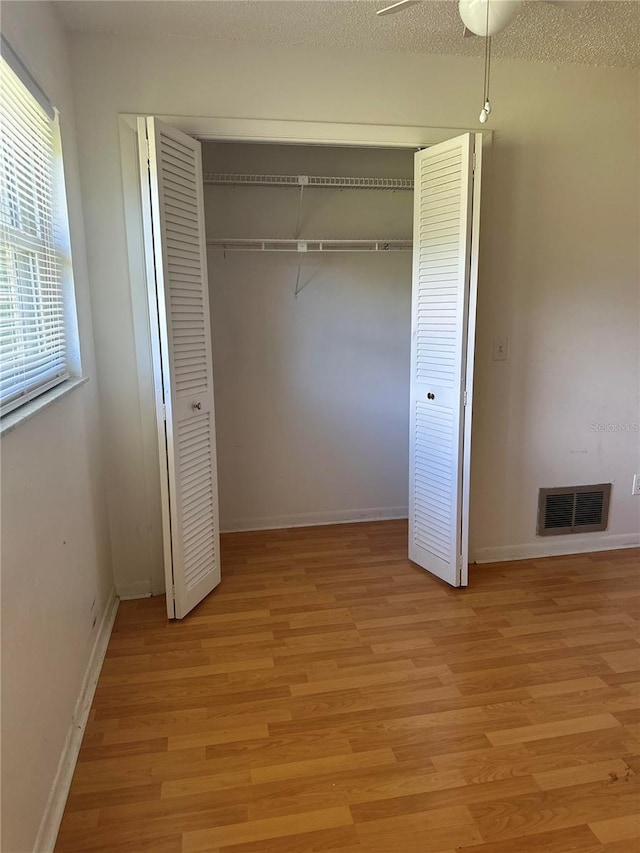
(300, 200)
(302, 246)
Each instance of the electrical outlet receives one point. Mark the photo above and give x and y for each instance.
(500, 349)
(636, 485)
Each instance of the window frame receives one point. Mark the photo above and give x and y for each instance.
(36, 398)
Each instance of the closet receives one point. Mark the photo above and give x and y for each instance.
(343, 347)
(309, 263)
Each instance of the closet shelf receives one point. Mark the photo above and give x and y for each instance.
(309, 181)
(307, 246)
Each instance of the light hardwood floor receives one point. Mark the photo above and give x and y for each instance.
(330, 696)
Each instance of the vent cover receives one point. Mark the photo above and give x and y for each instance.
(573, 509)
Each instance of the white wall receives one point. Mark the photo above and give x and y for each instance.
(559, 269)
(56, 572)
(312, 415)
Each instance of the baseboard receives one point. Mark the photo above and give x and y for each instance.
(556, 546)
(313, 519)
(130, 591)
(50, 824)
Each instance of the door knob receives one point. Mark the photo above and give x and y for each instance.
(431, 396)
(197, 406)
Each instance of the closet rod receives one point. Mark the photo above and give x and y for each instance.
(309, 181)
(274, 245)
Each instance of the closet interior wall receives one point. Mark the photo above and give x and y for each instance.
(311, 390)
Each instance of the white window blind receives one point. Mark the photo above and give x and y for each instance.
(33, 345)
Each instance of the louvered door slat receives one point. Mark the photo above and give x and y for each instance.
(184, 365)
(440, 318)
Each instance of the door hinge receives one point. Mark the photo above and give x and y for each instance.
(473, 163)
(164, 411)
(464, 398)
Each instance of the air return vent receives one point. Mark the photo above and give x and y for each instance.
(573, 509)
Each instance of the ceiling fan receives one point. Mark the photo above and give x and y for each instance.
(485, 18)
(482, 17)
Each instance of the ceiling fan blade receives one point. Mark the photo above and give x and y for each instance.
(397, 7)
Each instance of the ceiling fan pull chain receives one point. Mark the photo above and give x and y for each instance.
(487, 105)
(486, 108)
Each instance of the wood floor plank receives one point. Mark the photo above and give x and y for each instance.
(553, 729)
(623, 661)
(528, 814)
(440, 829)
(325, 764)
(568, 776)
(203, 841)
(578, 839)
(629, 845)
(617, 828)
(202, 783)
(386, 786)
(573, 685)
(342, 839)
(331, 696)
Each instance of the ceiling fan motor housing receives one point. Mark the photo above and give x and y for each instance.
(500, 14)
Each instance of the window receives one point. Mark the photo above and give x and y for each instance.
(37, 311)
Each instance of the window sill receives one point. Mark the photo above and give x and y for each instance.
(24, 413)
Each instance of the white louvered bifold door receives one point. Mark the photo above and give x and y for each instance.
(443, 316)
(175, 249)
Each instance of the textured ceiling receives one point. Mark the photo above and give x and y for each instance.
(605, 32)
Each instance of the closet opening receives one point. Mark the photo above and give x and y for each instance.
(309, 271)
(338, 315)
(309, 262)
